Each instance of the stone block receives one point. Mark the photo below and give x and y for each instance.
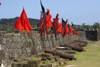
(24, 51)
(34, 63)
(51, 58)
(45, 55)
(43, 59)
(19, 65)
(22, 38)
(18, 45)
(2, 47)
(16, 39)
(20, 51)
(46, 65)
(9, 40)
(62, 63)
(28, 50)
(4, 41)
(1, 40)
(2, 55)
(56, 58)
(23, 55)
(55, 64)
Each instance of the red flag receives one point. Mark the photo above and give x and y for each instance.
(73, 31)
(0, 4)
(48, 22)
(68, 33)
(66, 30)
(62, 31)
(60, 28)
(70, 29)
(76, 32)
(55, 20)
(42, 25)
(57, 28)
(33, 26)
(23, 22)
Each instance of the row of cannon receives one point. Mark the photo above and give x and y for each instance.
(60, 54)
(76, 45)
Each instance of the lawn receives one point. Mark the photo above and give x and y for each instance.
(88, 58)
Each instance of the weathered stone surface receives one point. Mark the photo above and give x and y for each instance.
(51, 58)
(2, 47)
(8, 40)
(4, 41)
(55, 64)
(98, 35)
(45, 55)
(63, 48)
(34, 63)
(46, 65)
(22, 44)
(62, 63)
(19, 65)
(82, 35)
(2, 56)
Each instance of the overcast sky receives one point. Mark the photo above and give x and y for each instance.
(76, 11)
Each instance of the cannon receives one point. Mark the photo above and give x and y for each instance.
(48, 51)
(80, 49)
(64, 55)
(81, 41)
(60, 54)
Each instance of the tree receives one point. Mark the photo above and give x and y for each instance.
(83, 25)
(96, 25)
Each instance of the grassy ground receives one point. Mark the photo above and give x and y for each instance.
(88, 58)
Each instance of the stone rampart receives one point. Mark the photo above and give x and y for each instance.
(22, 45)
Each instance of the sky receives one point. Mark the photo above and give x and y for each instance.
(76, 11)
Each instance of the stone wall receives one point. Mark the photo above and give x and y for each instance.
(48, 42)
(22, 45)
(82, 35)
(91, 35)
(98, 35)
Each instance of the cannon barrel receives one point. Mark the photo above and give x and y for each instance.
(81, 41)
(48, 51)
(64, 55)
(78, 42)
(67, 56)
(73, 47)
(61, 54)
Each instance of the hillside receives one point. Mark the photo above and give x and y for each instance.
(12, 21)
(8, 24)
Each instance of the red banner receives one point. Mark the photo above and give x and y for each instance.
(0, 4)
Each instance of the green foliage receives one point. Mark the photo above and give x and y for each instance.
(96, 25)
(8, 24)
(87, 27)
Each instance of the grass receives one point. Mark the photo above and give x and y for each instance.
(88, 58)
(39, 58)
